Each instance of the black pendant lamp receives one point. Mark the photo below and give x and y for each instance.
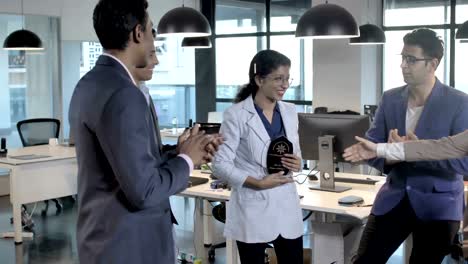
(462, 32)
(23, 39)
(327, 21)
(196, 42)
(370, 34)
(184, 21)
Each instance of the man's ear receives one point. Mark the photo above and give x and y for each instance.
(435, 63)
(137, 34)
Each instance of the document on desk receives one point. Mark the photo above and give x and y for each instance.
(29, 157)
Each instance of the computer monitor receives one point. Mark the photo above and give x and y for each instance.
(343, 127)
(324, 137)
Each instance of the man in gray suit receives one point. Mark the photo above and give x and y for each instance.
(124, 183)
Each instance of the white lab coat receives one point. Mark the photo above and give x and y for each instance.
(255, 216)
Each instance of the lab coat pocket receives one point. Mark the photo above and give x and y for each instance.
(251, 196)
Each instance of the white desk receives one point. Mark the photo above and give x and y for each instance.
(56, 176)
(39, 179)
(329, 245)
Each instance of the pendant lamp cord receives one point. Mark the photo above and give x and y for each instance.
(368, 10)
(183, 3)
(22, 13)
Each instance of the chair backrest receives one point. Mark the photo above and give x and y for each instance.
(37, 131)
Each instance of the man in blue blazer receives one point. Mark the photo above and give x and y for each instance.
(424, 199)
(124, 181)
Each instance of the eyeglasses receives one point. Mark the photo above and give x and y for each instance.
(411, 60)
(279, 80)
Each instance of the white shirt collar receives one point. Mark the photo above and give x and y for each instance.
(123, 65)
(145, 90)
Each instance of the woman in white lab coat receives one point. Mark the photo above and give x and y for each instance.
(263, 208)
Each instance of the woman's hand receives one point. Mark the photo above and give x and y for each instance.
(291, 162)
(274, 180)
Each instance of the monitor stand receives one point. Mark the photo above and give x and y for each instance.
(326, 167)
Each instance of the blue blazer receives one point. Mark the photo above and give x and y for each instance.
(435, 189)
(124, 182)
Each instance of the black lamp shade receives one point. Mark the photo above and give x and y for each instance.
(23, 40)
(196, 42)
(369, 35)
(462, 32)
(185, 22)
(327, 21)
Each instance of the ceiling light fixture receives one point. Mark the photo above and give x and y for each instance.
(23, 39)
(327, 21)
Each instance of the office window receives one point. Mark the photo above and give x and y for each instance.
(242, 30)
(461, 11)
(285, 14)
(242, 16)
(172, 87)
(28, 80)
(416, 12)
(401, 17)
(461, 78)
(233, 56)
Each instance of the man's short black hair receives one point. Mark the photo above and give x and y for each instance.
(113, 21)
(428, 41)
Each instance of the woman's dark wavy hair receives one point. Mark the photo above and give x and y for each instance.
(262, 64)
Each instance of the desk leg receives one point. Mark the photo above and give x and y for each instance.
(327, 243)
(19, 254)
(17, 223)
(207, 224)
(198, 227)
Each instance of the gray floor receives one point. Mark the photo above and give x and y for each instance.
(54, 240)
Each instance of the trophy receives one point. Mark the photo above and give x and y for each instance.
(276, 150)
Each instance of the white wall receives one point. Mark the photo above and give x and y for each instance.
(76, 15)
(347, 77)
(5, 122)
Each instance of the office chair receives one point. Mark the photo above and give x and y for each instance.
(321, 110)
(37, 131)
(219, 213)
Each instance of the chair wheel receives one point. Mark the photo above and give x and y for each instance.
(58, 206)
(211, 255)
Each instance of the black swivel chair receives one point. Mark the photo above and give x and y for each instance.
(37, 131)
(219, 213)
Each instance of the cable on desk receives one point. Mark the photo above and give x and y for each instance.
(307, 216)
(307, 175)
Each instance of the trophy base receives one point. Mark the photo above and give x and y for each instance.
(337, 189)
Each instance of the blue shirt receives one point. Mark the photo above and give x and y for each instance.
(276, 128)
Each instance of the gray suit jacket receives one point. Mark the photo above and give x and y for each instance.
(124, 183)
(453, 147)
